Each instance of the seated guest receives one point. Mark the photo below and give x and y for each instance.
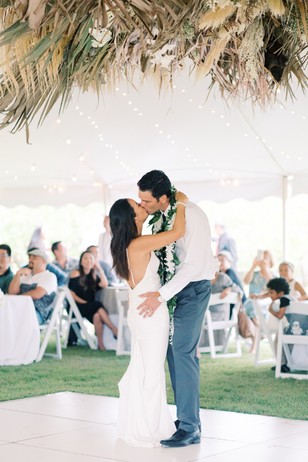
(259, 274)
(84, 283)
(223, 284)
(225, 260)
(105, 266)
(278, 291)
(37, 282)
(60, 275)
(62, 260)
(286, 271)
(257, 278)
(6, 274)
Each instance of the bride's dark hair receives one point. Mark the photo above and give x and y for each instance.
(123, 231)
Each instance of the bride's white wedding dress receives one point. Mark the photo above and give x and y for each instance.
(144, 418)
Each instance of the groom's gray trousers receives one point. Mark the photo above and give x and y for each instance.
(191, 304)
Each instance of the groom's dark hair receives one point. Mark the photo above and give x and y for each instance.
(156, 182)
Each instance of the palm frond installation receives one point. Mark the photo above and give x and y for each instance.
(249, 48)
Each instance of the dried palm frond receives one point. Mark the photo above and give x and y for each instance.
(250, 48)
(216, 17)
(277, 7)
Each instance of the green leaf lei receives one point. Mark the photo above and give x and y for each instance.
(166, 255)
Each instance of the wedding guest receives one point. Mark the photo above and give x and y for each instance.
(286, 271)
(225, 261)
(226, 242)
(104, 252)
(39, 241)
(104, 241)
(37, 282)
(257, 277)
(6, 274)
(60, 275)
(222, 284)
(62, 260)
(84, 283)
(111, 279)
(278, 291)
(225, 258)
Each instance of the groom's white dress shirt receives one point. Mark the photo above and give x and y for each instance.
(194, 251)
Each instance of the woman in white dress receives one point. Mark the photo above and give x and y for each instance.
(286, 271)
(144, 418)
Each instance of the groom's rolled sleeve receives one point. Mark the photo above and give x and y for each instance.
(195, 253)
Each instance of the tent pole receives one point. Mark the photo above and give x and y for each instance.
(284, 215)
(286, 195)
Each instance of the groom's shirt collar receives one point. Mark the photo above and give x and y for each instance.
(166, 211)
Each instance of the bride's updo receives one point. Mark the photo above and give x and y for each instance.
(123, 231)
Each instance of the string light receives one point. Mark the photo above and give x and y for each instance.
(172, 140)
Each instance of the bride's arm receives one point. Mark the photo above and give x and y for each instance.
(148, 243)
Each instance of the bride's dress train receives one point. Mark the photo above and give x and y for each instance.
(144, 417)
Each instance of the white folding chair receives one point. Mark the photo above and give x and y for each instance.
(52, 325)
(294, 341)
(76, 320)
(226, 325)
(262, 332)
(123, 342)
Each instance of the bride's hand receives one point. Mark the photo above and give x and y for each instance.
(181, 197)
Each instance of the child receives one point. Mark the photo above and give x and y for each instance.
(286, 271)
(278, 291)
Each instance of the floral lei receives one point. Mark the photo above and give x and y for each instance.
(168, 260)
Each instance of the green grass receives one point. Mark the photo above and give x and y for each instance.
(232, 384)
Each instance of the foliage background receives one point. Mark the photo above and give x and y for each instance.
(253, 225)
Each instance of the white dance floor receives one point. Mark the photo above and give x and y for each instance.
(73, 427)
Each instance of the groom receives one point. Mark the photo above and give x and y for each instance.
(192, 287)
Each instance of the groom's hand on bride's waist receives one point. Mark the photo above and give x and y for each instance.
(150, 304)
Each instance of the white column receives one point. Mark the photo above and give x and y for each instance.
(287, 183)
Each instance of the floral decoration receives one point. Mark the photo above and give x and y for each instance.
(250, 49)
(168, 260)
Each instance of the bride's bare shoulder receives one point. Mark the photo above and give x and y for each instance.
(138, 245)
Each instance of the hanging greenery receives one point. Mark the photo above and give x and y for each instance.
(250, 48)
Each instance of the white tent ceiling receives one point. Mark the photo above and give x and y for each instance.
(97, 151)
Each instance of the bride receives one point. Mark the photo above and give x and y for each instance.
(144, 418)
